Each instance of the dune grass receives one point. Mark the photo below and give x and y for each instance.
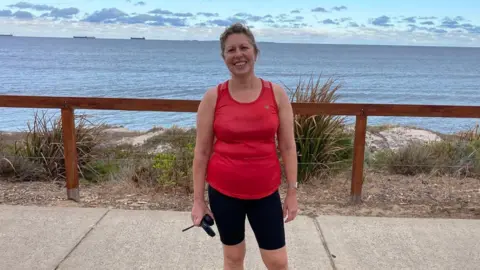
(40, 153)
(457, 155)
(322, 143)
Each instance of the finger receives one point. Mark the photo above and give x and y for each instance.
(210, 213)
(285, 211)
(196, 221)
(291, 215)
(288, 219)
(294, 214)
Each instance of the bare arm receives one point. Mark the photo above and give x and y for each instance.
(286, 138)
(204, 142)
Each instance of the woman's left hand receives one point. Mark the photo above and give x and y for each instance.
(290, 207)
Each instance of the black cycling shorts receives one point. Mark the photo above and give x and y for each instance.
(265, 216)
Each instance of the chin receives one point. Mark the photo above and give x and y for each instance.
(241, 72)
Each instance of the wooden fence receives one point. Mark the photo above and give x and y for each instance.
(67, 105)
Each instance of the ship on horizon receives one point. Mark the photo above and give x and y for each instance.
(141, 38)
(85, 37)
(6, 35)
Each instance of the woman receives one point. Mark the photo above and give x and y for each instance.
(238, 123)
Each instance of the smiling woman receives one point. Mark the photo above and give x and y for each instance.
(238, 123)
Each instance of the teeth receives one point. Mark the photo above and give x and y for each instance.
(240, 63)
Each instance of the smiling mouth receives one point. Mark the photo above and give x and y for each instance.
(240, 63)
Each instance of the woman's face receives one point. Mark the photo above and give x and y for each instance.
(239, 54)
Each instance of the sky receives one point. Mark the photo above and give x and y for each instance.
(392, 22)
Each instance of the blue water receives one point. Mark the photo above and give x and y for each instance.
(185, 69)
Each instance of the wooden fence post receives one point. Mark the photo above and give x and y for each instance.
(70, 152)
(358, 158)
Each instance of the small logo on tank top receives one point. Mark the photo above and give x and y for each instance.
(267, 107)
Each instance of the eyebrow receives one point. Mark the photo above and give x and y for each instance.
(242, 44)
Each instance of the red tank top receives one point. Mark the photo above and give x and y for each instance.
(244, 163)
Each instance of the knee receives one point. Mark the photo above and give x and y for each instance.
(234, 257)
(275, 260)
(277, 264)
(234, 261)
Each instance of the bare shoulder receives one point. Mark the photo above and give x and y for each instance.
(210, 94)
(278, 88)
(206, 109)
(280, 93)
(209, 98)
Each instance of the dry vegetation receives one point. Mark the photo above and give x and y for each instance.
(439, 179)
(456, 156)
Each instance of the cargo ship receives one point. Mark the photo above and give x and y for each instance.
(140, 38)
(84, 37)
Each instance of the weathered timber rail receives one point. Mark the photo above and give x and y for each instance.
(67, 105)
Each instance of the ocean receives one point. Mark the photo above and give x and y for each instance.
(185, 69)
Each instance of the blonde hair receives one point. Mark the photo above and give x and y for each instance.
(238, 28)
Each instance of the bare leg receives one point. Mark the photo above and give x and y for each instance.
(234, 256)
(275, 259)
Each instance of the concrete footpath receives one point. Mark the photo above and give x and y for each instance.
(84, 238)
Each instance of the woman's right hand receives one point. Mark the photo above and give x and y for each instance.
(199, 210)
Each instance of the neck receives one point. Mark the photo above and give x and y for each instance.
(244, 82)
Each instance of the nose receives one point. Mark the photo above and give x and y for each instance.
(237, 52)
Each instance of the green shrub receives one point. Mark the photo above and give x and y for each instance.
(448, 157)
(139, 171)
(175, 161)
(110, 160)
(415, 158)
(101, 170)
(323, 146)
(166, 163)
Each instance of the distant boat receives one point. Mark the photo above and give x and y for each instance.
(6, 35)
(141, 38)
(87, 37)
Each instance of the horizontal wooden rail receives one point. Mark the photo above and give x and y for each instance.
(178, 105)
(361, 111)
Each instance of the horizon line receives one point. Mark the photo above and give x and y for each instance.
(259, 41)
